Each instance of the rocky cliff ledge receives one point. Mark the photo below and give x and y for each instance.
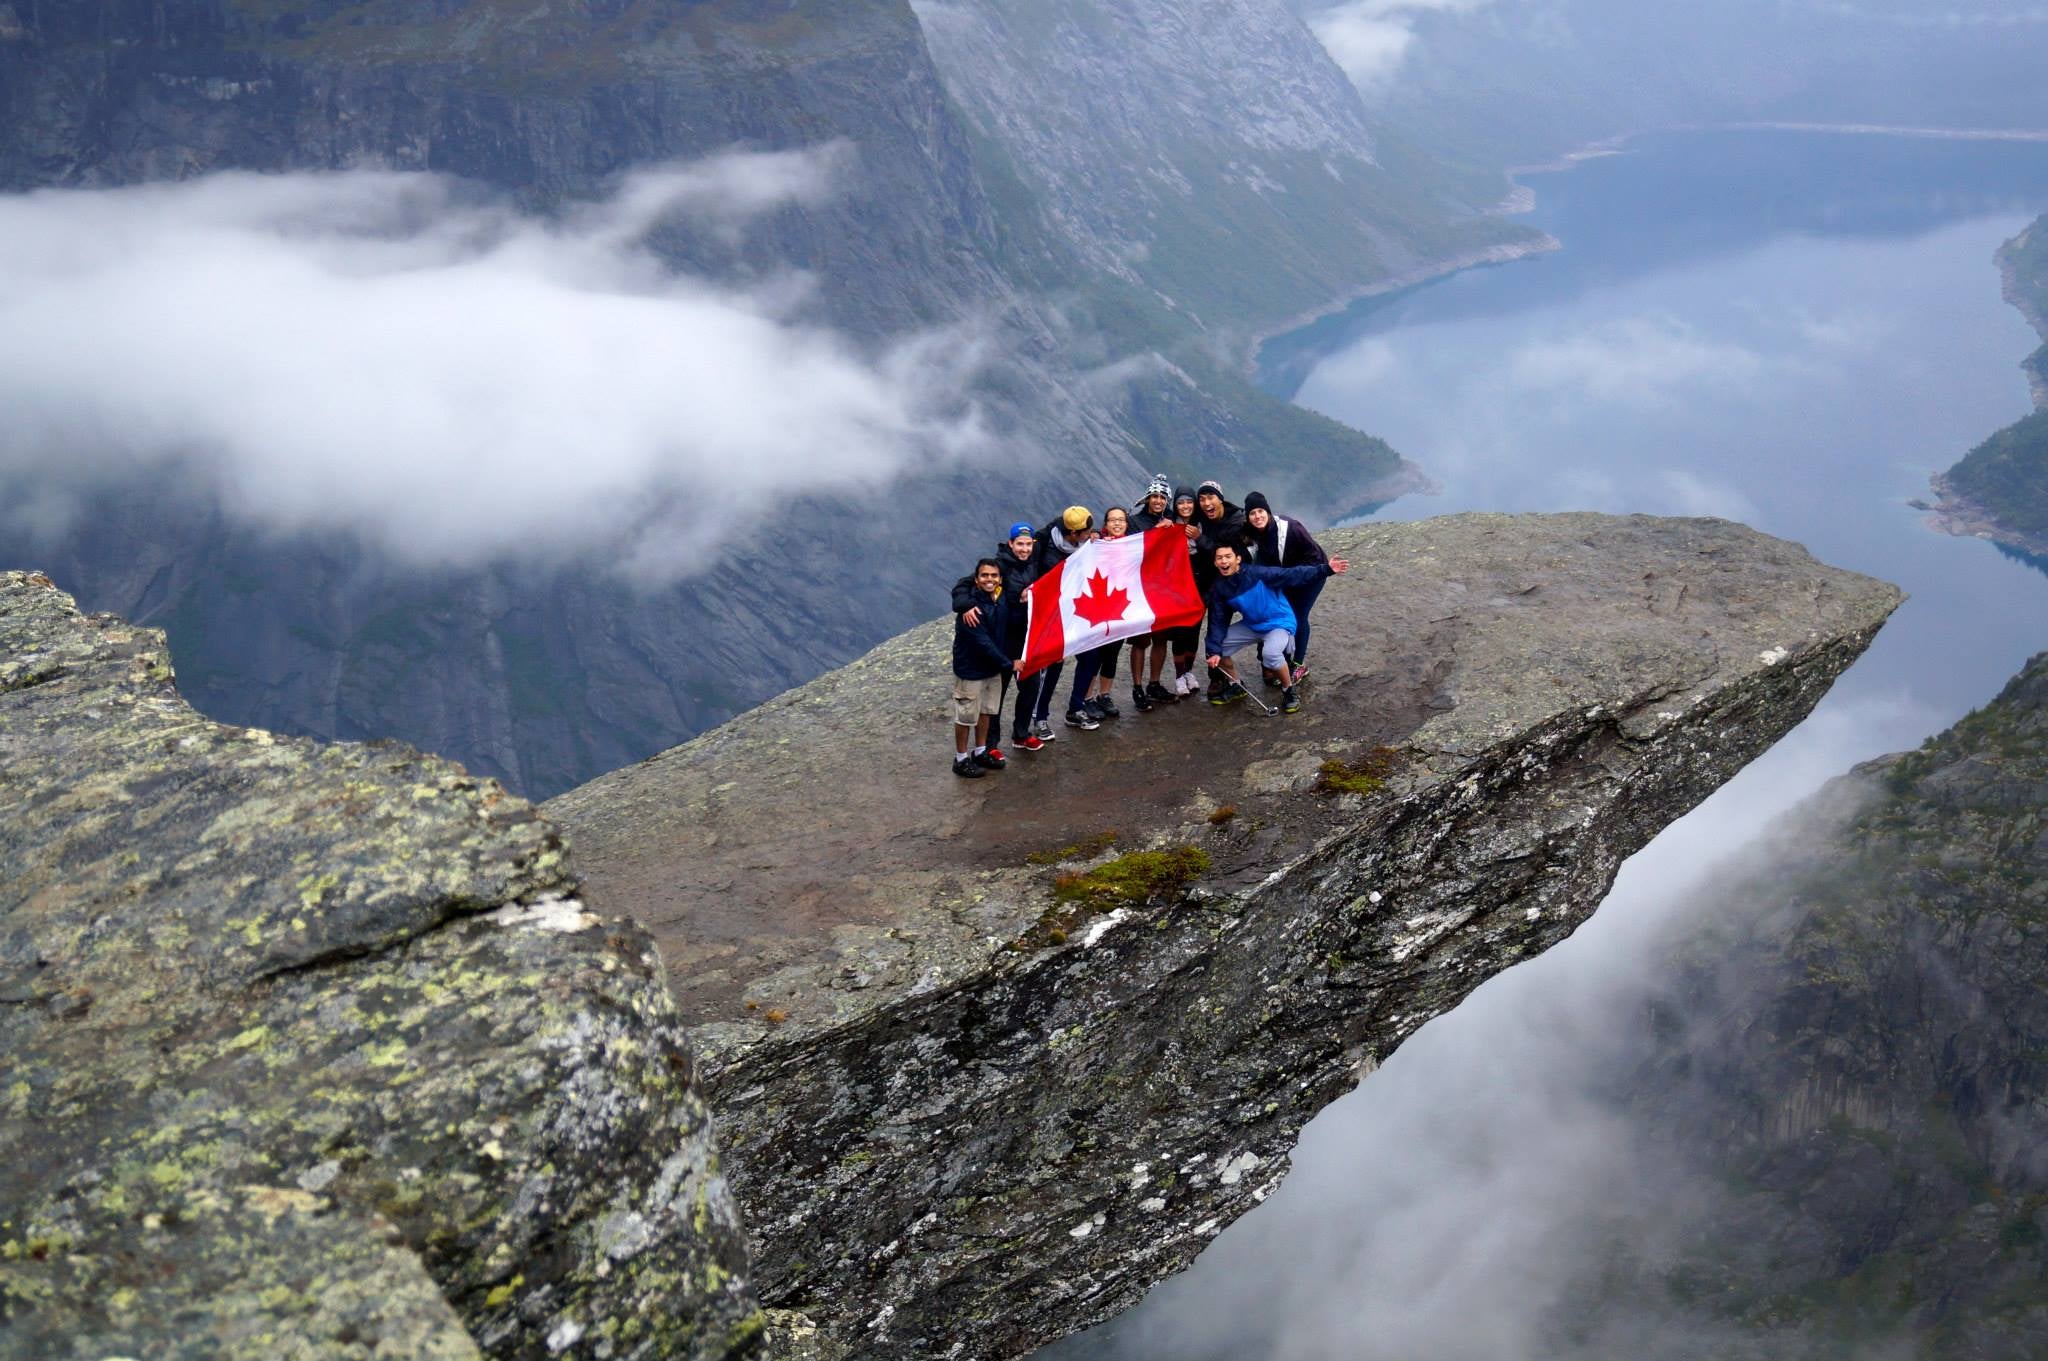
(312, 1051)
(983, 1073)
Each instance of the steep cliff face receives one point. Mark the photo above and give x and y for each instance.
(1166, 136)
(313, 1051)
(1859, 1064)
(547, 677)
(989, 1060)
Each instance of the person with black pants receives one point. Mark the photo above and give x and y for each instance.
(1281, 541)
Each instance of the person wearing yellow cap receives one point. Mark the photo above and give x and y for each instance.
(1074, 527)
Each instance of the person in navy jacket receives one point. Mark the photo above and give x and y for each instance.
(980, 662)
(1248, 605)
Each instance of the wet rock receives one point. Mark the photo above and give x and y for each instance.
(314, 1051)
(979, 1086)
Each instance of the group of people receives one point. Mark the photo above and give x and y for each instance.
(1259, 574)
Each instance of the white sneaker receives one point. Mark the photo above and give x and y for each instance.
(1188, 684)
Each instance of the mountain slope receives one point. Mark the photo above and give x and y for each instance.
(1859, 1070)
(545, 673)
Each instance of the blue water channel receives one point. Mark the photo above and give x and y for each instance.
(1788, 329)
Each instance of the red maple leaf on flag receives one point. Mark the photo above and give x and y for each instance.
(1100, 605)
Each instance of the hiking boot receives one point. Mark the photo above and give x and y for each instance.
(1042, 730)
(1105, 707)
(992, 759)
(1228, 693)
(1141, 701)
(1028, 742)
(1159, 694)
(1081, 718)
(1274, 679)
(1290, 701)
(966, 769)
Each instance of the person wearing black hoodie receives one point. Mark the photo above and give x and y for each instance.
(1280, 541)
(1017, 560)
(1223, 526)
(980, 661)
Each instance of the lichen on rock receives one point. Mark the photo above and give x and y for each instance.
(950, 1145)
(313, 1050)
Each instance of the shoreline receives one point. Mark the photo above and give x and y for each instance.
(1957, 515)
(1521, 198)
(2010, 290)
(1505, 253)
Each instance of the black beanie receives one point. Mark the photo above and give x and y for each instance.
(1257, 501)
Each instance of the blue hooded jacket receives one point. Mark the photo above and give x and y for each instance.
(1257, 593)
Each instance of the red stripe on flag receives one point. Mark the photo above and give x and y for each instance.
(1045, 635)
(1169, 579)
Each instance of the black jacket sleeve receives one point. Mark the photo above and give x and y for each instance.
(1310, 552)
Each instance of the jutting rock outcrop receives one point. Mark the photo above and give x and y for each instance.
(990, 1059)
(312, 1051)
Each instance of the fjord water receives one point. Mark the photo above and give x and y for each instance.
(1792, 330)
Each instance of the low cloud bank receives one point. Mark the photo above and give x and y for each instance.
(1370, 38)
(404, 358)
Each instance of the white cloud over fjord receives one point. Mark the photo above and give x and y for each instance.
(401, 357)
(1370, 39)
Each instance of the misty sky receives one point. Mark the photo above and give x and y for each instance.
(404, 358)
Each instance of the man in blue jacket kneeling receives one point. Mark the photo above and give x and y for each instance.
(1258, 596)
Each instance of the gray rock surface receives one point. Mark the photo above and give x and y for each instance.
(312, 1051)
(964, 1116)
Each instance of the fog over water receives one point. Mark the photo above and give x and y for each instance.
(1789, 330)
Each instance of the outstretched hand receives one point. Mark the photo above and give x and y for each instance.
(1339, 566)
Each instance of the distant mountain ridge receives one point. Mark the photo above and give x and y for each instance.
(546, 678)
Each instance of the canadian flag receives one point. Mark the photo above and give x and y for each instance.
(1110, 589)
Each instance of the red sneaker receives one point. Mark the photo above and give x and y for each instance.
(992, 759)
(1029, 742)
